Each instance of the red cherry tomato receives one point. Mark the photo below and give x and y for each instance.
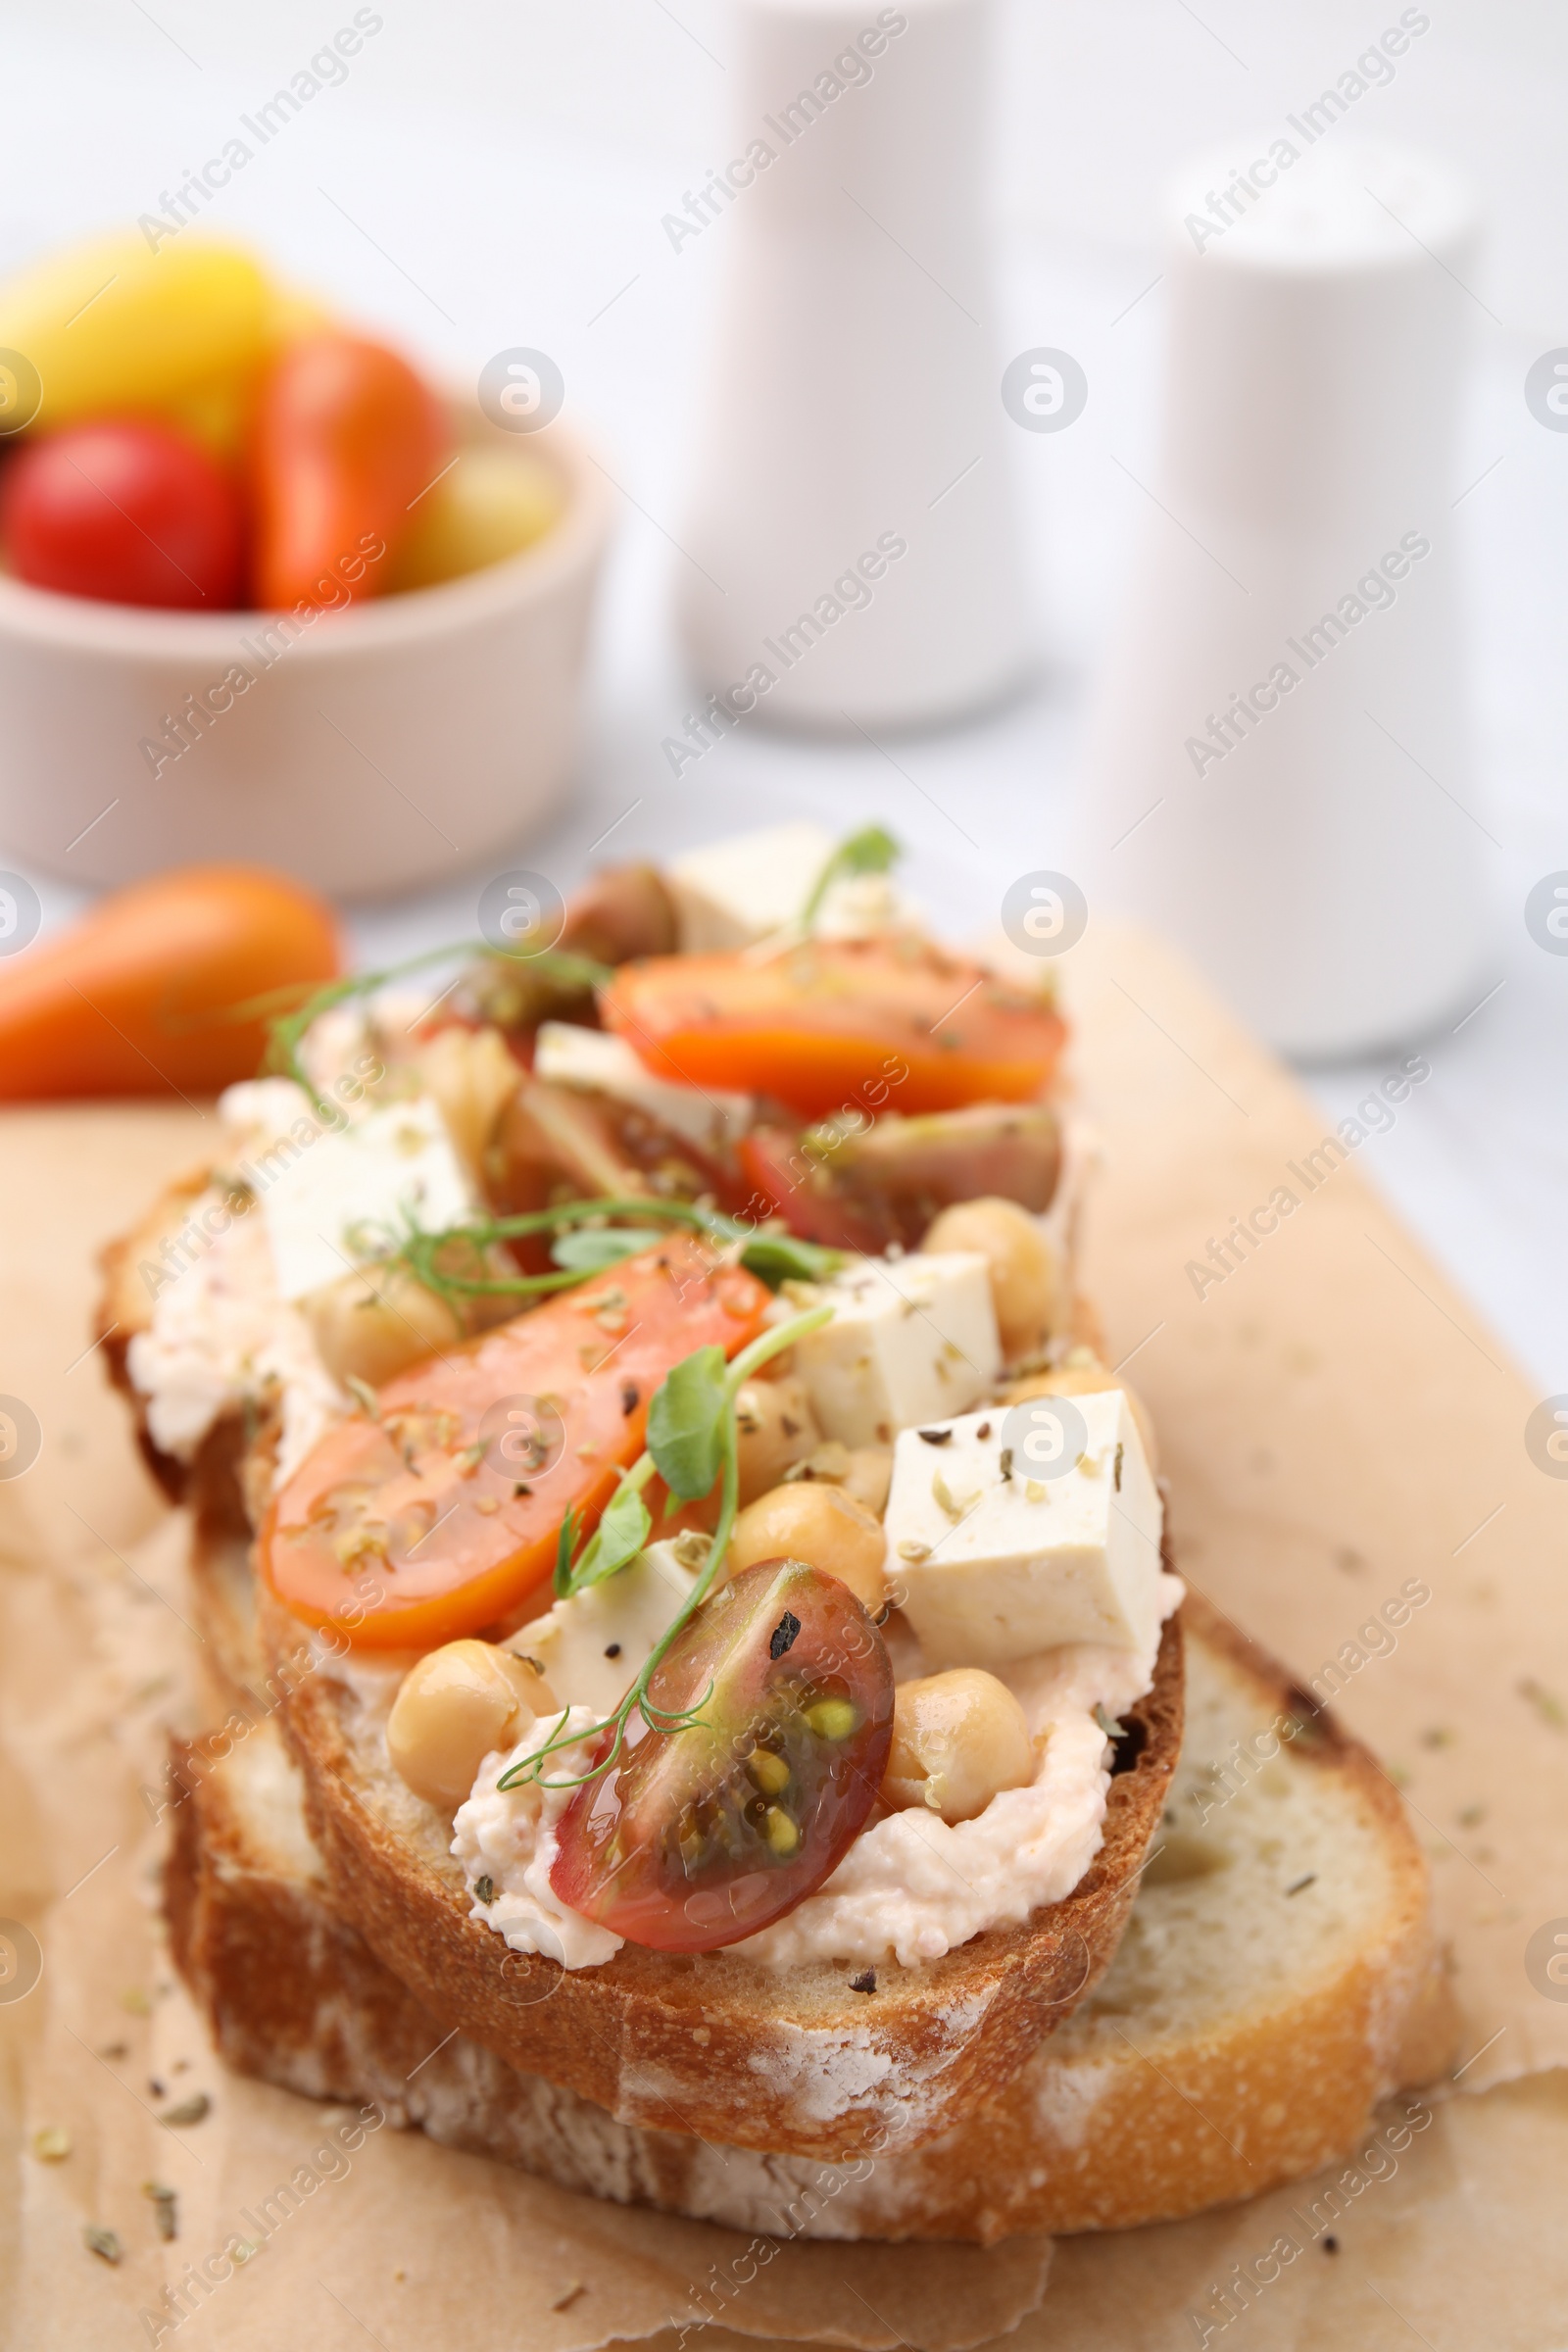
(128, 513)
(346, 438)
(701, 1835)
(787, 1183)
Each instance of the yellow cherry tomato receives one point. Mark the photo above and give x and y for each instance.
(294, 315)
(112, 328)
(493, 503)
(218, 412)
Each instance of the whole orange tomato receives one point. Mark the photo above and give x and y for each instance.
(135, 998)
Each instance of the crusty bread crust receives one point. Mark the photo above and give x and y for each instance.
(717, 2047)
(1267, 2093)
(720, 2046)
(125, 1307)
(1271, 2096)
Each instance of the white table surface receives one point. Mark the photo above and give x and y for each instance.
(497, 220)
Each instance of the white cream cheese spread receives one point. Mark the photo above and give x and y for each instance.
(911, 1886)
(276, 1224)
(508, 1837)
(220, 1337)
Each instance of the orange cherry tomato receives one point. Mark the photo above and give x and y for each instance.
(134, 998)
(440, 1516)
(346, 436)
(833, 1023)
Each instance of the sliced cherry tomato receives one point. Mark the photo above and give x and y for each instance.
(836, 1022)
(346, 438)
(128, 513)
(556, 1144)
(440, 1516)
(859, 1184)
(787, 1182)
(704, 1835)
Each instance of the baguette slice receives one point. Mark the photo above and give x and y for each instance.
(1238, 2039)
(718, 2046)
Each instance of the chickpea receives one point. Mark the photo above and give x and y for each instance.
(1026, 1285)
(809, 1520)
(776, 1428)
(1083, 1374)
(367, 1326)
(453, 1708)
(959, 1739)
(864, 1471)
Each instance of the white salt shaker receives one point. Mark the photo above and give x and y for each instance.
(1279, 773)
(851, 544)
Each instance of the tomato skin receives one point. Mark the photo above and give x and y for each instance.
(133, 998)
(345, 437)
(786, 1183)
(833, 1023)
(127, 512)
(117, 327)
(672, 1848)
(859, 1184)
(487, 1546)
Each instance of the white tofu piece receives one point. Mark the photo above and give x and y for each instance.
(995, 1568)
(913, 1338)
(568, 1056)
(592, 1648)
(333, 1198)
(733, 893)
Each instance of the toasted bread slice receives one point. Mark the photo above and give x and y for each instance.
(782, 2060)
(720, 2046)
(134, 1269)
(1238, 2039)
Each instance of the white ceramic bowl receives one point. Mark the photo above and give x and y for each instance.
(395, 742)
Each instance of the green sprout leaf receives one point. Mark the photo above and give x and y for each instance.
(564, 1548)
(623, 1531)
(686, 1423)
(775, 1258)
(871, 851)
(601, 1245)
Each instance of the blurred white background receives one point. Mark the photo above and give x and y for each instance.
(496, 175)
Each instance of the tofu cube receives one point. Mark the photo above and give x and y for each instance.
(570, 1056)
(592, 1648)
(733, 893)
(334, 1197)
(994, 1567)
(913, 1338)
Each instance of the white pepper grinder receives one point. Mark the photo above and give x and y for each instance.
(1280, 772)
(852, 555)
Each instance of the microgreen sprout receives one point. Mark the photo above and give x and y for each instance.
(773, 1257)
(871, 851)
(288, 1028)
(692, 1445)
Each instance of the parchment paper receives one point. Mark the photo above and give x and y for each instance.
(1335, 1423)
